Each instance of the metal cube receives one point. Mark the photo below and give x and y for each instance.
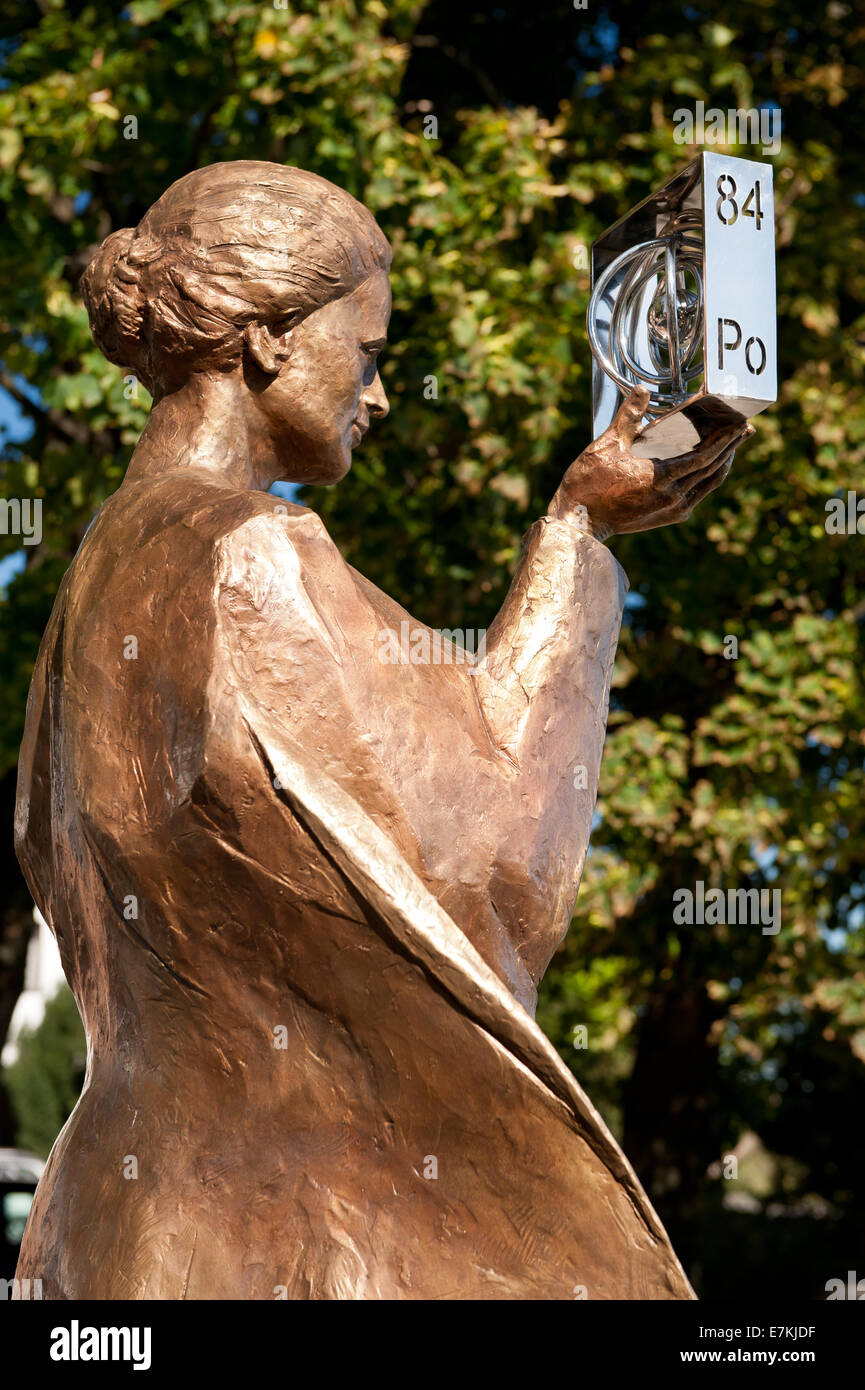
(683, 302)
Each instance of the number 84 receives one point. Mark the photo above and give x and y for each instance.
(727, 189)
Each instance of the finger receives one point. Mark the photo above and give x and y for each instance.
(629, 416)
(709, 452)
(699, 485)
(680, 508)
(692, 480)
(696, 462)
(709, 484)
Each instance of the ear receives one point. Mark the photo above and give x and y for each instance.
(268, 346)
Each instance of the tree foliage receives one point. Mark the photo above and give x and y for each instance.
(45, 1080)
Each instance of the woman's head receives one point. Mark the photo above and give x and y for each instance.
(254, 267)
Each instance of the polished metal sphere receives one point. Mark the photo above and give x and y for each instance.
(645, 319)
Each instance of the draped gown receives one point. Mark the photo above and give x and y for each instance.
(303, 896)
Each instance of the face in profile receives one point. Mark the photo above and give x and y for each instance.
(319, 387)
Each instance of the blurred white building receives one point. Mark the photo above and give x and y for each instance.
(43, 975)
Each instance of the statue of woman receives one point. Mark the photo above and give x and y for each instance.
(304, 894)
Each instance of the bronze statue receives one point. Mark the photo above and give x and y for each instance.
(303, 895)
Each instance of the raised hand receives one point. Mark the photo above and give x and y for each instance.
(609, 490)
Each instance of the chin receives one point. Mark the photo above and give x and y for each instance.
(331, 471)
(320, 469)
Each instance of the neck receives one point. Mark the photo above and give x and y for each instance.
(203, 428)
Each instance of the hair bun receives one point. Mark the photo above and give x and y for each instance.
(112, 293)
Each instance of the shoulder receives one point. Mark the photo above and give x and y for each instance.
(221, 552)
(252, 525)
(268, 550)
(180, 507)
(192, 529)
(280, 583)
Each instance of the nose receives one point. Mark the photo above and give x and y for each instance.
(375, 400)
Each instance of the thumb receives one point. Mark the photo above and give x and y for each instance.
(630, 414)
